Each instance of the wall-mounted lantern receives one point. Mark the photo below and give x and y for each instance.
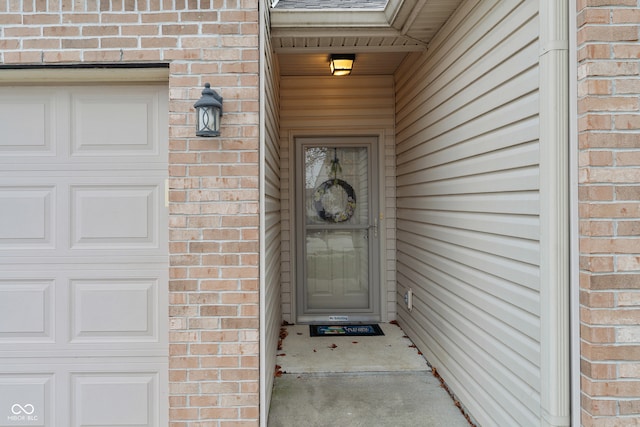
(208, 111)
(341, 64)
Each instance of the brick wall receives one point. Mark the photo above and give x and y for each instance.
(609, 208)
(214, 297)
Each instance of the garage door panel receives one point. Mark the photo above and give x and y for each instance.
(27, 122)
(26, 311)
(26, 400)
(114, 399)
(26, 216)
(105, 216)
(114, 310)
(64, 393)
(114, 215)
(133, 122)
(88, 310)
(83, 125)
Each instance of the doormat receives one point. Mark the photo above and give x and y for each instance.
(345, 330)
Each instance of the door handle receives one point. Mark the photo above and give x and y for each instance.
(374, 226)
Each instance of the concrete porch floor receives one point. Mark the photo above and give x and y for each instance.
(357, 381)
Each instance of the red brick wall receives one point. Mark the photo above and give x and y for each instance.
(609, 208)
(214, 298)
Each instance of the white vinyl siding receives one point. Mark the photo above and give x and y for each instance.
(334, 106)
(272, 233)
(468, 207)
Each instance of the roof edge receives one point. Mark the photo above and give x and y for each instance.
(328, 18)
(336, 18)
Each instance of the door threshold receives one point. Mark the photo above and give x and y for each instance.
(337, 320)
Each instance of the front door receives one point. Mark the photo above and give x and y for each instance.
(337, 233)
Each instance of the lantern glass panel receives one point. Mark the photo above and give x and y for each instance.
(208, 121)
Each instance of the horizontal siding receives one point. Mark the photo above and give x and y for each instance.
(326, 106)
(325, 103)
(468, 207)
(272, 234)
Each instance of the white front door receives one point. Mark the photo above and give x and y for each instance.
(338, 235)
(83, 256)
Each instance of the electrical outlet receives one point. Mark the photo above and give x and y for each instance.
(408, 299)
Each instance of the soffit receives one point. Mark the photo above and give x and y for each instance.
(380, 32)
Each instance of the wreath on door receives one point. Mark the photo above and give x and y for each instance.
(334, 199)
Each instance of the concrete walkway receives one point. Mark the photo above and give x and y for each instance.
(357, 381)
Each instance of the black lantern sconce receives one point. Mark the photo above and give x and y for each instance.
(208, 111)
(341, 64)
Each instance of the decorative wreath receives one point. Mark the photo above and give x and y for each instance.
(329, 200)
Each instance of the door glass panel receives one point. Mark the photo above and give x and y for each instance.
(336, 206)
(332, 175)
(337, 269)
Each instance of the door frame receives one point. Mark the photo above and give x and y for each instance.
(371, 314)
(379, 134)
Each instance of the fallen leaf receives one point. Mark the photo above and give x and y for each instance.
(354, 342)
(332, 346)
(278, 371)
(283, 333)
(281, 354)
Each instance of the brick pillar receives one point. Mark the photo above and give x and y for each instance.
(214, 182)
(214, 240)
(609, 209)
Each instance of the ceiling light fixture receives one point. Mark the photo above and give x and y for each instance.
(341, 64)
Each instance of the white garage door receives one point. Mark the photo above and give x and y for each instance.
(83, 256)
